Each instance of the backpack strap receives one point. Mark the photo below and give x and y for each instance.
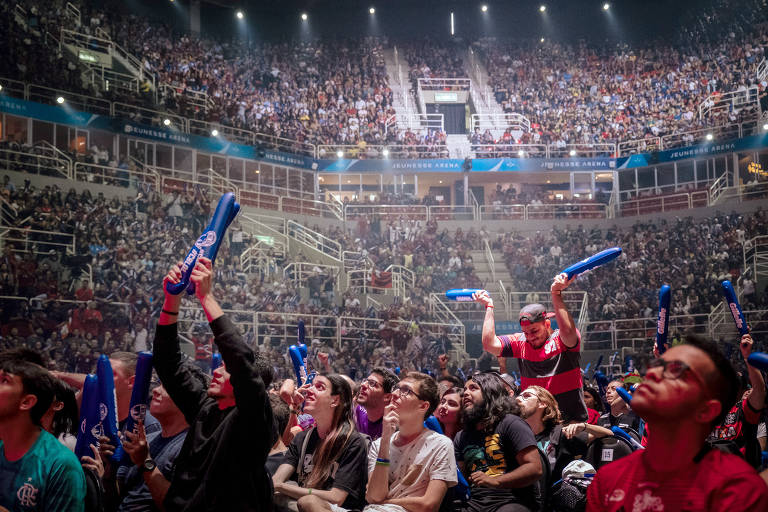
(300, 469)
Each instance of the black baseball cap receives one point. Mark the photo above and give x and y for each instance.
(533, 313)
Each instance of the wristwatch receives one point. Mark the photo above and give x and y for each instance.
(149, 465)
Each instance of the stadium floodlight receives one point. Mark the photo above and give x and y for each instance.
(372, 10)
(606, 6)
(521, 153)
(239, 14)
(304, 16)
(60, 100)
(541, 40)
(1, 87)
(385, 152)
(484, 8)
(765, 126)
(542, 8)
(340, 153)
(572, 152)
(215, 132)
(710, 136)
(167, 122)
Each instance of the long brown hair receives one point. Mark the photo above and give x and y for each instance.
(340, 434)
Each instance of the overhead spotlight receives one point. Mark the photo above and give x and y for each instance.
(572, 152)
(167, 122)
(765, 126)
(60, 100)
(484, 8)
(710, 136)
(304, 16)
(521, 153)
(372, 10)
(215, 132)
(1, 87)
(606, 6)
(239, 14)
(543, 8)
(385, 152)
(340, 153)
(541, 40)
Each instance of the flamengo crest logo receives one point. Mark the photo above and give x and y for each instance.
(138, 412)
(206, 240)
(736, 315)
(662, 320)
(27, 494)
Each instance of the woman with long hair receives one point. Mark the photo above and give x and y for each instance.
(328, 462)
(448, 411)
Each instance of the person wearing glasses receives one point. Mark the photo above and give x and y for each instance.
(325, 464)
(410, 467)
(374, 394)
(548, 357)
(496, 451)
(684, 394)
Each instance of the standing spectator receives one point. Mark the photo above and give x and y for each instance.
(410, 467)
(221, 465)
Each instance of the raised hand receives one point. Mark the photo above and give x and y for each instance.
(561, 282)
(135, 444)
(202, 277)
(483, 297)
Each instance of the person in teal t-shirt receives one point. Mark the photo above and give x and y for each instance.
(37, 472)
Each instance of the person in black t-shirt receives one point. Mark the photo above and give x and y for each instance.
(620, 414)
(329, 461)
(496, 451)
(221, 465)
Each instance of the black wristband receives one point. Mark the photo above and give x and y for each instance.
(170, 312)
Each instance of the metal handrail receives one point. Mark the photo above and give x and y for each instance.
(489, 259)
(314, 240)
(35, 163)
(380, 151)
(300, 271)
(68, 243)
(122, 177)
(387, 211)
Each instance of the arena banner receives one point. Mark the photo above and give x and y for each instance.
(217, 145)
(478, 165)
(708, 149)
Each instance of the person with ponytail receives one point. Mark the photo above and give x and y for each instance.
(327, 464)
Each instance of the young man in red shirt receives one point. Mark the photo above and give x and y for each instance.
(683, 395)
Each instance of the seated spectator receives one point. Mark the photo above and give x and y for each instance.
(410, 467)
(619, 415)
(496, 450)
(684, 394)
(374, 395)
(328, 461)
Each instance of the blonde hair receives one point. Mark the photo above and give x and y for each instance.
(551, 416)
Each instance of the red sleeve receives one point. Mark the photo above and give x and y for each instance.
(750, 416)
(510, 346)
(594, 503)
(742, 492)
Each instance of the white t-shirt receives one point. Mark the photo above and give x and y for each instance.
(428, 457)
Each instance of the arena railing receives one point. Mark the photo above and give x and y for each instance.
(102, 174)
(374, 151)
(502, 122)
(502, 212)
(387, 212)
(403, 280)
(12, 87)
(314, 240)
(648, 205)
(35, 163)
(755, 254)
(417, 122)
(750, 191)
(37, 241)
(724, 102)
(310, 207)
(299, 272)
(631, 147)
(149, 116)
(285, 145)
(206, 128)
(9, 215)
(444, 84)
(566, 211)
(510, 150)
(574, 300)
(462, 311)
(489, 259)
(595, 150)
(48, 95)
(701, 136)
(455, 212)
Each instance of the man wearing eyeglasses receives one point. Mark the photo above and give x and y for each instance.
(684, 394)
(375, 393)
(411, 467)
(548, 357)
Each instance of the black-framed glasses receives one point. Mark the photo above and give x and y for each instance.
(673, 369)
(371, 383)
(405, 391)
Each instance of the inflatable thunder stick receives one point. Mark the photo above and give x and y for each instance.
(298, 355)
(662, 324)
(208, 243)
(108, 402)
(462, 294)
(139, 399)
(624, 394)
(215, 361)
(735, 308)
(596, 260)
(759, 360)
(89, 429)
(619, 432)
